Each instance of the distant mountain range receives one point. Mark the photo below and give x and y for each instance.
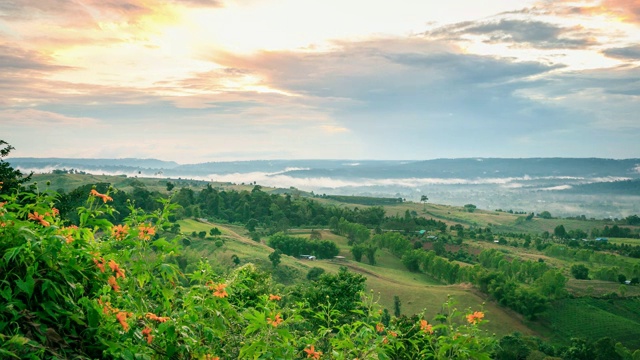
(373, 169)
(565, 185)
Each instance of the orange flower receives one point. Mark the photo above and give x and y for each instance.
(120, 232)
(68, 238)
(146, 232)
(2, 203)
(104, 197)
(211, 357)
(475, 317)
(385, 340)
(116, 269)
(393, 333)
(108, 309)
(426, 327)
(147, 333)
(100, 263)
(312, 353)
(114, 284)
(154, 317)
(274, 297)
(379, 327)
(122, 319)
(275, 322)
(55, 211)
(39, 218)
(220, 292)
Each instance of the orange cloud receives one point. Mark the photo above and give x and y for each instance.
(622, 10)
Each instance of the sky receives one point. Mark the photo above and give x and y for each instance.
(213, 80)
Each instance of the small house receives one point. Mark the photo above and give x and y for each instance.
(307, 257)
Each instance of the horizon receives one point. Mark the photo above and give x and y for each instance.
(218, 80)
(9, 157)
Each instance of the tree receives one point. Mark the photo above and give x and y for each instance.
(11, 179)
(622, 278)
(342, 290)
(170, 186)
(396, 305)
(560, 232)
(315, 273)
(251, 225)
(545, 215)
(439, 248)
(512, 347)
(552, 284)
(622, 290)
(357, 251)
(215, 231)
(412, 259)
(423, 200)
(470, 208)
(275, 258)
(371, 253)
(580, 272)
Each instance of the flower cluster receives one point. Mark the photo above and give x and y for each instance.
(147, 334)
(39, 218)
(145, 232)
(276, 321)
(100, 263)
(475, 317)
(219, 290)
(116, 269)
(312, 353)
(104, 197)
(154, 317)
(120, 232)
(426, 327)
(114, 284)
(122, 319)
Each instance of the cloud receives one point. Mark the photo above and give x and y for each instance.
(623, 10)
(602, 98)
(13, 58)
(532, 33)
(42, 119)
(629, 52)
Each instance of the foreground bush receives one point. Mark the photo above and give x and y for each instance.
(100, 290)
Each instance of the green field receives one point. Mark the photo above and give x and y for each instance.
(595, 318)
(385, 280)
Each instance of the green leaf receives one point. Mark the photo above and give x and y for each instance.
(93, 317)
(27, 285)
(5, 353)
(6, 293)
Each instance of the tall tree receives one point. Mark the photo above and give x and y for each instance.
(275, 258)
(10, 178)
(423, 200)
